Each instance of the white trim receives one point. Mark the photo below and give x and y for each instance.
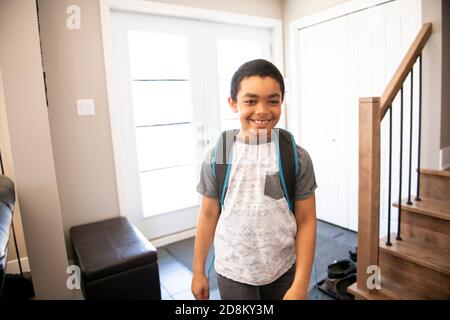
(444, 158)
(171, 238)
(172, 10)
(161, 9)
(12, 266)
(336, 11)
(292, 104)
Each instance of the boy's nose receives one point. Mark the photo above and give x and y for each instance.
(261, 107)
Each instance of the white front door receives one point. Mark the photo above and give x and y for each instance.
(339, 61)
(172, 77)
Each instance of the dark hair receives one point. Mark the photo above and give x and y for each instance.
(259, 67)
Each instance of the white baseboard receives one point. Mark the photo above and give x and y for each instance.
(13, 266)
(171, 238)
(445, 158)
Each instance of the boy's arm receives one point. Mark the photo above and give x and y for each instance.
(305, 242)
(207, 222)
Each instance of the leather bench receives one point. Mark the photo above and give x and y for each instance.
(116, 261)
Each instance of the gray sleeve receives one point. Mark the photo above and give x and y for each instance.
(207, 183)
(306, 179)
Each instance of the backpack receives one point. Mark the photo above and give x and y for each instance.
(287, 158)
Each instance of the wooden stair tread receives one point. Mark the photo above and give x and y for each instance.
(381, 294)
(401, 292)
(419, 253)
(441, 173)
(435, 208)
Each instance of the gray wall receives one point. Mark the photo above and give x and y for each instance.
(445, 113)
(30, 157)
(73, 61)
(432, 87)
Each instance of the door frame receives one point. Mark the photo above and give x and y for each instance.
(174, 11)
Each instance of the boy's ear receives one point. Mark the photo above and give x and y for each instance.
(233, 105)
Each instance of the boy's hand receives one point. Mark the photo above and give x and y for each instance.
(200, 287)
(295, 294)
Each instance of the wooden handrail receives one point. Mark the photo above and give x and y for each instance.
(405, 67)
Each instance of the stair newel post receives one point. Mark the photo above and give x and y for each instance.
(369, 188)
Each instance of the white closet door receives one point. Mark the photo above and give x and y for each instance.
(340, 61)
(321, 119)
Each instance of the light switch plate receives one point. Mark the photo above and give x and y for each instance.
(86, 107)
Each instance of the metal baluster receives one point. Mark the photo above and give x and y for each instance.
(410, 137)
(1, 164)
(401, 160)
(420, 129)
(388, 242)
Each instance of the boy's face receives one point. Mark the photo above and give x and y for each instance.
(258, 104)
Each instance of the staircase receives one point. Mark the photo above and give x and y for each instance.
(418, 266)
(415, 265)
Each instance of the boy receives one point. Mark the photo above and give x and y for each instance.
(262, 250)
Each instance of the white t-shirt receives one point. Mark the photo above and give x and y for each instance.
(255, 235)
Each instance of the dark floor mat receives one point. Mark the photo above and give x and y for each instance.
(183, 251)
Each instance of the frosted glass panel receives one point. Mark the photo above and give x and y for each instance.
(230, 124)
(168, 190)
(155, 55)
(164, 146)
(224, 93)
(232, 53)
(161, 102)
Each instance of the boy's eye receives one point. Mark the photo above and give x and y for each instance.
(274, 102)
(249, 101)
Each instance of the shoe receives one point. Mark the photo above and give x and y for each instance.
(340, 269)
(343, 284)
(353, 254)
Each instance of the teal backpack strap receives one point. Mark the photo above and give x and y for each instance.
(221, 162)
(288, 163)
(221, 158)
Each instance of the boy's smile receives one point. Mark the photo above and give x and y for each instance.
(258, 104)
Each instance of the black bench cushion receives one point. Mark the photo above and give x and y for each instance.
(109, 247)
